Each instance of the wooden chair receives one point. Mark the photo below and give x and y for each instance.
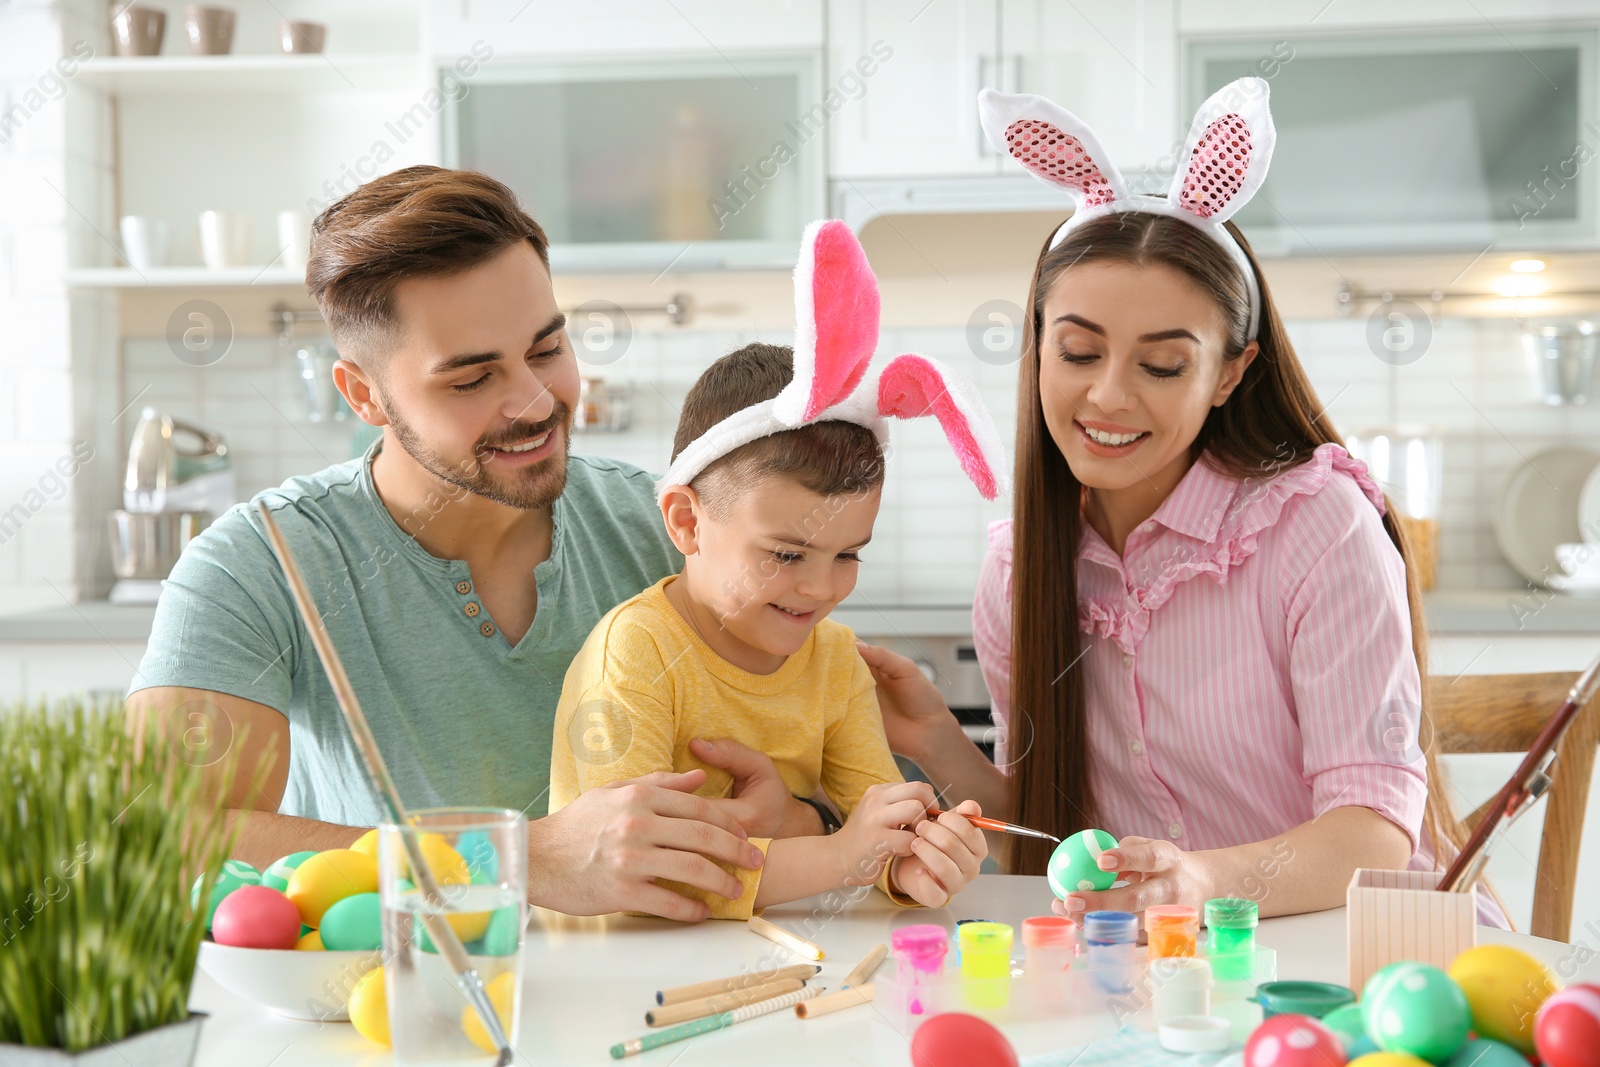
(1504, 713)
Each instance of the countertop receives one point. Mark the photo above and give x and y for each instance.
(1502, 611)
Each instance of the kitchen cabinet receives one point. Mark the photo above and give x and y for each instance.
(1300, 17)
(1114, 65)
(916, 114)
(719, 28)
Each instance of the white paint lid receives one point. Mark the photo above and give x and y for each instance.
(1196, 1033)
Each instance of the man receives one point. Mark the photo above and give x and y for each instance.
(459, 565)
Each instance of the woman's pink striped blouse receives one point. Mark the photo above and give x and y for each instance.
(1248, 659)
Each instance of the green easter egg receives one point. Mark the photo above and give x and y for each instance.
(1074, 866)
(277, 875)
(1346, 1025)
(353, 923)
(501, 937)
(1417, 1009)
(483, 861)
(235, 873)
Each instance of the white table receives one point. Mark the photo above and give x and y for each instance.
(588, 982)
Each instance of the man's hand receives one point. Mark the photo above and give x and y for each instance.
(761, 801)
(602, 852)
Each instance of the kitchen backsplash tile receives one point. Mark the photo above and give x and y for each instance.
(1470, 383)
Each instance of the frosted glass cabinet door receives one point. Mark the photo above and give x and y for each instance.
(703, 163)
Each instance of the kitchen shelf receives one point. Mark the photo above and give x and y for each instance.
(182, 277)
(167, 75)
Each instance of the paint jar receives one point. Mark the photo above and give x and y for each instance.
(1111, 940)
(1050, 942)
(1231, 942)
(1180, 986)
(919, 953)
(1172, 930)
(986, 963)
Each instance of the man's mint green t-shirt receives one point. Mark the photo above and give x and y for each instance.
(462, 718)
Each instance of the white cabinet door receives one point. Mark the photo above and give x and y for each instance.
(1113, 65)
(685, 27)
(916, 114)
(1303, 17)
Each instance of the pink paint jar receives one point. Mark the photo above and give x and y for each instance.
(919, 953)
(1050, 942)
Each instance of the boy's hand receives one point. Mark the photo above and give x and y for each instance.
(945, 856)
(879, 829)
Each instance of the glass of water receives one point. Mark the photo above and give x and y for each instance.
(479, 857)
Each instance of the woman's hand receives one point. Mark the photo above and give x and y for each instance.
(1157, 872)
(914, 712)
(944, 857)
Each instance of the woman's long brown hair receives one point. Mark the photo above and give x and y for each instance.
(1270, 423)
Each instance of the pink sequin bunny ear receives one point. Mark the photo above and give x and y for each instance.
(913, 386)
(836, 322)
(1053, 144)
(1226, 155)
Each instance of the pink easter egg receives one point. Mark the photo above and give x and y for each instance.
(1293, 1041)
(256, 916)
(1567, 1029)
(955, 1039)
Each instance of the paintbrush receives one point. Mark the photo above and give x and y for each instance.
(984, 823)
(443, 934)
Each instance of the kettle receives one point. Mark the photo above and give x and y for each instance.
(176, 466)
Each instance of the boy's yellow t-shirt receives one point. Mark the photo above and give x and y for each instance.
(644, 685)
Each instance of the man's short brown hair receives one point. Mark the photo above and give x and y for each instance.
(418, 222)
(828, 458)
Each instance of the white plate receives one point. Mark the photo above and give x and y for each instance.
(1537, 509)
(1589, 508)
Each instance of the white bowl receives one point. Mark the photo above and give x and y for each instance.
(1580, 560)
(295, 984)
(1579, 587)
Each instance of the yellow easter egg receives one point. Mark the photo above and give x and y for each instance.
(310, 942)
(445, 862)
(502, 994)
(1504, 988)
(366, 844)
(1388, 1059)
(369, 1007)
(327, 878)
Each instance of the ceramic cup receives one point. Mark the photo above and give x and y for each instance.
(1581, 561)
(224, 239)
(294, 239)
(137, 31)
(297, 38)
(210, 29)
(144, 242)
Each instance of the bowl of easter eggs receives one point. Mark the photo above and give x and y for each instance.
(299, 937)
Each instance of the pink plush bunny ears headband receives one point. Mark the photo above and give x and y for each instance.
(1227, 152)
(836, 332)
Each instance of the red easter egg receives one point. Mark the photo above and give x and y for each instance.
(955, 1039)
(256, 916)
(1567, 1029)
(1293, 1041)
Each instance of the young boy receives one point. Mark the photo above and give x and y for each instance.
(739, 645)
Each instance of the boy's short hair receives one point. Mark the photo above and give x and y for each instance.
(828, 458)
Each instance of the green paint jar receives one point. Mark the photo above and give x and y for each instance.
(1232, 942)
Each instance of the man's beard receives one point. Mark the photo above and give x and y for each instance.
(528, 488)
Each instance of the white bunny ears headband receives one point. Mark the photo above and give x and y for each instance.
(1226, 156)
(836, 332)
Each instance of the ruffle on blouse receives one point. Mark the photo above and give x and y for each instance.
(1254, 507)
